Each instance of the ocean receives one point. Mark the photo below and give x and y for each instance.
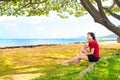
(23, 42)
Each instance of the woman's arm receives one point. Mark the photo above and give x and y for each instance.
(91, 52)
(84, 48)
(85, 45)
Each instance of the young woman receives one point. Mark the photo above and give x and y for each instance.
(91, 55)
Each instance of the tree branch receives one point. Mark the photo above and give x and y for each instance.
(91, 9)
(100, 7)
(118, 3)
(30, 3)
(22, 7)
(111, 13)
(88, 69)
(38, 2)
(112, 5)
(106, 21)
(100, 17)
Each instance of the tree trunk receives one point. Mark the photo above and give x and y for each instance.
(99, 15)
(118, 39)
(88, 69)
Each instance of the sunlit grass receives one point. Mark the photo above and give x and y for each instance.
(42, 63)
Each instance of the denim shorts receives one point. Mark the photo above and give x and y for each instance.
(91, 58)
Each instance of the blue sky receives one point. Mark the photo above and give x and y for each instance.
(50, 27)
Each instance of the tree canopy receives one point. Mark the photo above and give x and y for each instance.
(43, 7)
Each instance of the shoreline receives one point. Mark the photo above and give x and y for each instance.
(28, 46)
(110, 42)
(39, 45)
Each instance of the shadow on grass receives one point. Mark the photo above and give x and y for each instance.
(52, 71)
(8, 70)
(59, 72)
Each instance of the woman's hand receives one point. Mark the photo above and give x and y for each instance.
(86, 45)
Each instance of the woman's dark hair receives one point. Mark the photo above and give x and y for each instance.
(92, 34)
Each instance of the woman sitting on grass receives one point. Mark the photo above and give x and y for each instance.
(92, 55)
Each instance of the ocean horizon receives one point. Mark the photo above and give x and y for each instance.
(23, 42)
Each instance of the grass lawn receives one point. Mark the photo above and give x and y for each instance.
(42, 63)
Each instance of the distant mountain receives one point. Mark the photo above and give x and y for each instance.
(111, 36)
(107, 36)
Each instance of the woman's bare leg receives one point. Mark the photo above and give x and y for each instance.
(74, 59)
(71, 60)
(82, 51)
(77, 58)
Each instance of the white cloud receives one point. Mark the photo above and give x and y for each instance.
(6, 18)
(36, 19)
(108, 2)
(50, 27)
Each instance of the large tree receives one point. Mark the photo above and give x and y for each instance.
(96, 8)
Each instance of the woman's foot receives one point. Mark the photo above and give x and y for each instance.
(64, 63)
(76, 62)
